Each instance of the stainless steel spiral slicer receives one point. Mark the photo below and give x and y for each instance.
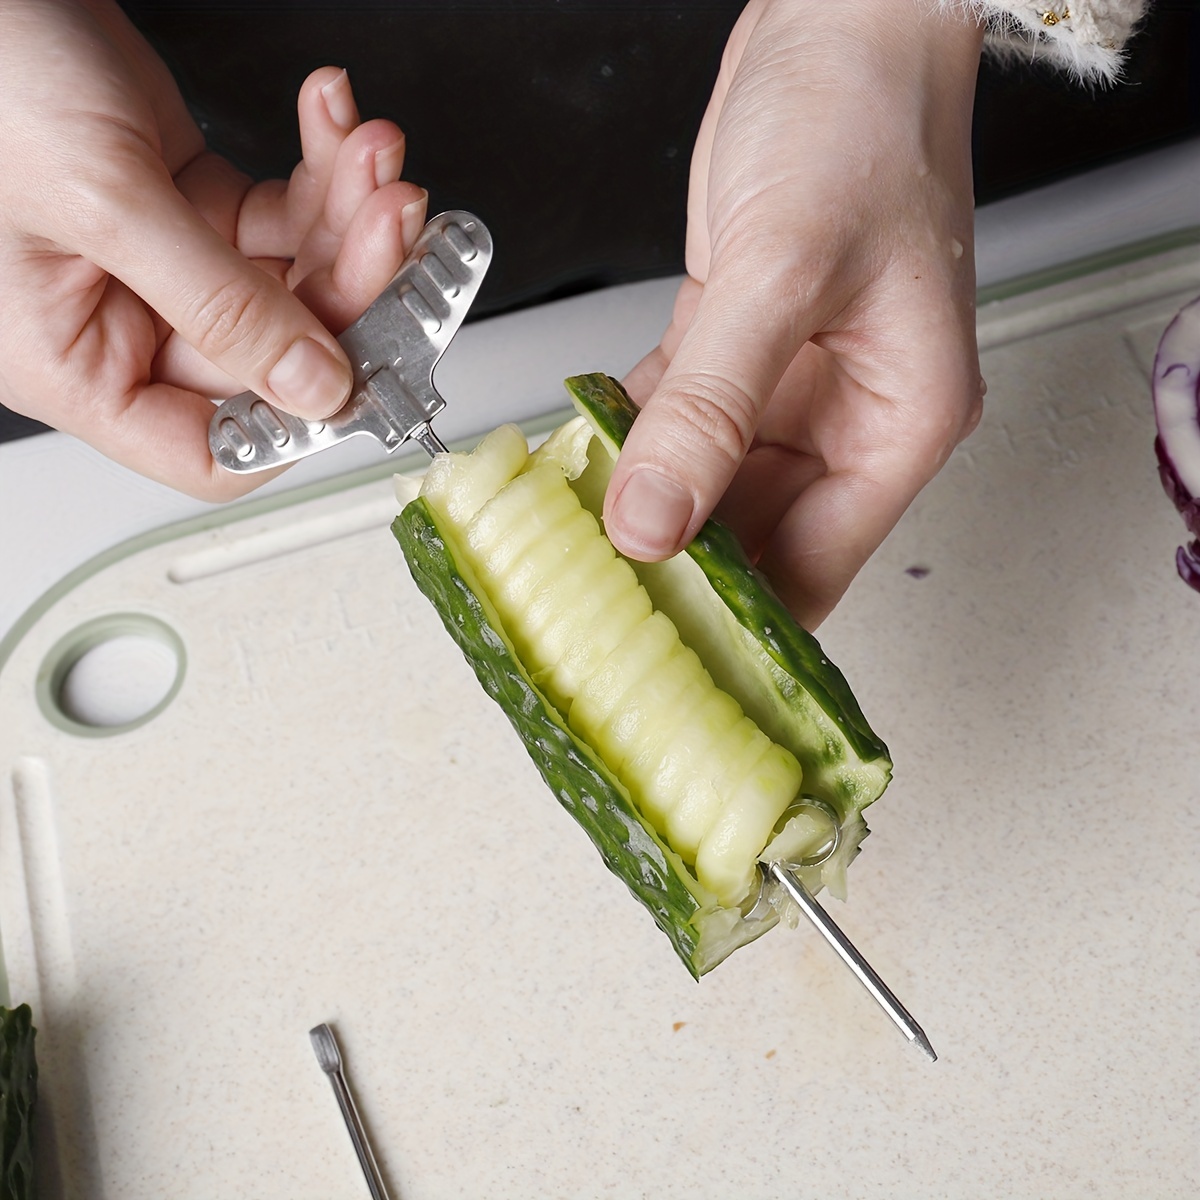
(394, 348)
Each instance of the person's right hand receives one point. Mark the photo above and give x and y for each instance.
(141, 275)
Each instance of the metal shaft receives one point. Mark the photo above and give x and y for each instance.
(430, 442)
(330, 1058)
(846, 950)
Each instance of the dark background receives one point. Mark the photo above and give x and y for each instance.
(568, 125)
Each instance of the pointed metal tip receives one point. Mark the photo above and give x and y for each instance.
(786, 875)
(924, 1044)
(325, 1047)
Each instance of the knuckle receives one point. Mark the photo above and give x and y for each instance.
(798, 251)
(87, 210)
(91, 195)
(931, 431)
(711, 412)
(232, 319)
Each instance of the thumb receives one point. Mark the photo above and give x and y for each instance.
(696, 428)
(145, 233)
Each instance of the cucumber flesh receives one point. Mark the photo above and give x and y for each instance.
(727, 854)
(726, 611)
(557, 582)
(460, 488)
(713, 771)
(524, 513)
(679, 756)
(684, 769)
(643, 652)
(635, 727)
(518, 540)
(702, 932)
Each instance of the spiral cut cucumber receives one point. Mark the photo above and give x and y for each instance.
(675, 708)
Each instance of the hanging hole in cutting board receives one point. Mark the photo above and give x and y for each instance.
(111, 674)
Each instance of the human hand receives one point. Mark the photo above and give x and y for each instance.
(820, 365)
(141, 275)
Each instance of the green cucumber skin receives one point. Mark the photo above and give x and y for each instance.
(846, 763)
(750, 597)
(752, 602)
(18, 1100)
(604, 400)
(582, 783)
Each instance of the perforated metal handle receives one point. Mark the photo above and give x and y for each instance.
(393, 348)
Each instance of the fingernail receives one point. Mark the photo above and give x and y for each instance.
(388, 162)
(652, 514)
(412, 219)
(339, 102)
(309, 381)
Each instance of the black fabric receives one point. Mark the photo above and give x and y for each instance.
(567, 127)
(568, 124)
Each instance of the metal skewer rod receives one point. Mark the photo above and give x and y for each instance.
(846, 950)
(430, 442)
(330, 1057)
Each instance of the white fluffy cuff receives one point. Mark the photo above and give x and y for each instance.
(1085, 37)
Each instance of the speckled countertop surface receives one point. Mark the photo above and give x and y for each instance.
(330, 822)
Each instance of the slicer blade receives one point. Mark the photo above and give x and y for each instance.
(393, 349)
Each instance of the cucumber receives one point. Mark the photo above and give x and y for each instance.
(18, 1100)
(675, 709)
(702, 932)
(752, 646)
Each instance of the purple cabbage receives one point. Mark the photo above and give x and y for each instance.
(1176, 385)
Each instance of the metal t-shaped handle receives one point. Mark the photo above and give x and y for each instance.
(393, 348)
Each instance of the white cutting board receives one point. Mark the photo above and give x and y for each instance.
(329, 821)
